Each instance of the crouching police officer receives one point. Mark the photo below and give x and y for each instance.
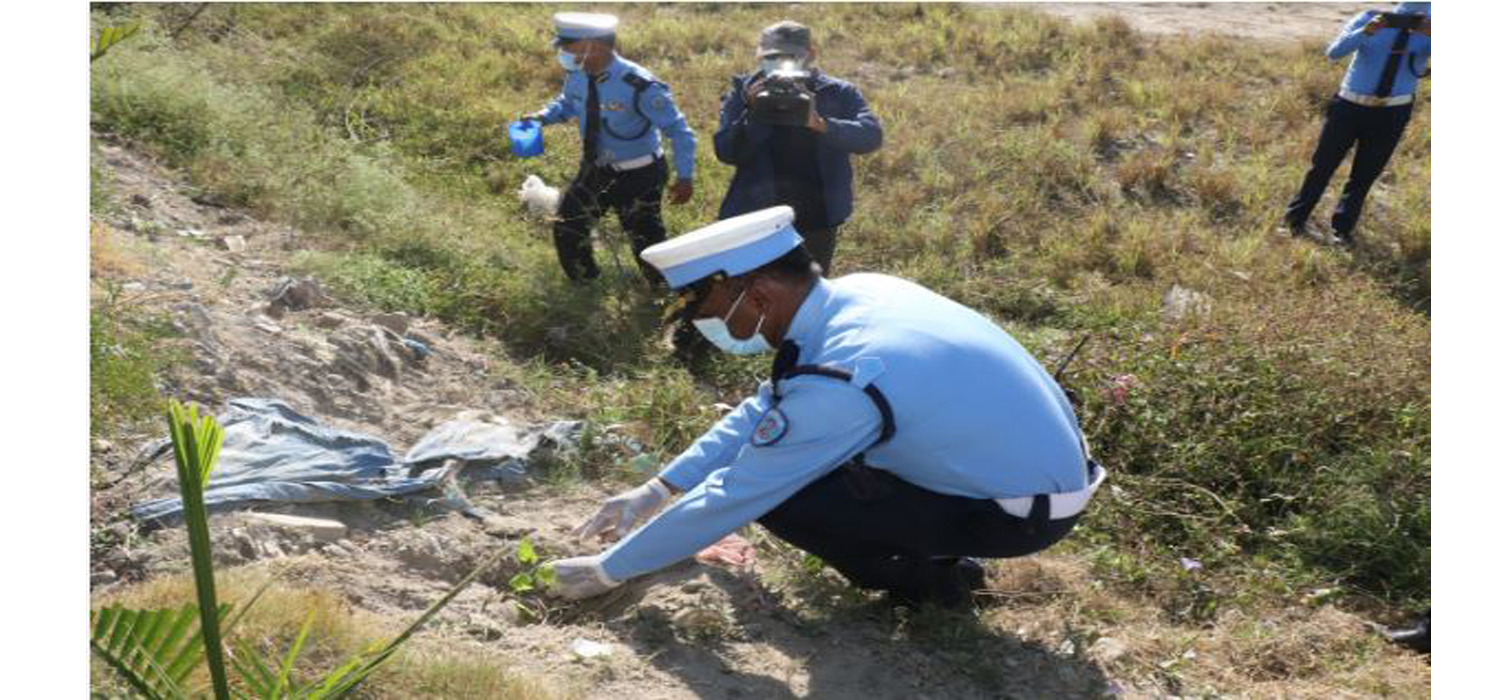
(900, 433)
(622, 112)
(1374, 103)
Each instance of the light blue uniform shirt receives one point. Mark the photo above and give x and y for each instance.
(617, 100)
(975, 416)
(1371, 51)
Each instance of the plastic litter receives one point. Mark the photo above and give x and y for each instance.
(273, 453)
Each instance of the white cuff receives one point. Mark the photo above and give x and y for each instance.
(659, 488)
(597, 566)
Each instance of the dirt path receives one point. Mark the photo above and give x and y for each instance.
(1272, 21)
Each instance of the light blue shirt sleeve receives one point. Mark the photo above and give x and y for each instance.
(658, 107)
(718, 447)
(827, 422)
(560, 109)
(1352, 36)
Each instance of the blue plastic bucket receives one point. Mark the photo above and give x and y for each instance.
(526, 138)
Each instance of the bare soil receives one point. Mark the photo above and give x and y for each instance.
(1261, 21)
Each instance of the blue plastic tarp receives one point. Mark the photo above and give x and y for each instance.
(273, 453)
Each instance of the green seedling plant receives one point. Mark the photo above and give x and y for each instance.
(533, 578)
(151, 649)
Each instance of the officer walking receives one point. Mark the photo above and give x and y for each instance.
(805, 166)
(900, 433)
(1370, 112)
(623, 111)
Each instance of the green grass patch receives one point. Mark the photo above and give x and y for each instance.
(125, 359)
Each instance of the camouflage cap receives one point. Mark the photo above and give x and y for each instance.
(785, 37)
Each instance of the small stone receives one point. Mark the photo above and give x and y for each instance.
(103, 577)
(233, 244)
(586, 649)
(268, 327)
(1180, 302)
(1107, 649)
(140, 200)
(397, 322)
(328, 320)
(699, 621)
(102, 445)
(192, 232)
(322, 529)
(298, 294)
(133, 287)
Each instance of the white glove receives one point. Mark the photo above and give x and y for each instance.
(580, 577)
(627, 511)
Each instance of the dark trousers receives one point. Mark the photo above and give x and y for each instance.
(820, 242)
(1375, 131)
(885, 533)
(634, 195)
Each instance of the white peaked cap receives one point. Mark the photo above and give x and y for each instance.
(733, 246)
(573, 26)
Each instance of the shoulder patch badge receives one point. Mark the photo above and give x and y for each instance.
(659, 103)
(771, 428)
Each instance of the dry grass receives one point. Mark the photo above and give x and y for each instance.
(1254, 650)
(427, 667)
(109, 253)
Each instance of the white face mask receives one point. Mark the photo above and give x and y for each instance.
(569, 62)
(716, 330)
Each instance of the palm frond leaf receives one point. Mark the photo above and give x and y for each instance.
(109, 37)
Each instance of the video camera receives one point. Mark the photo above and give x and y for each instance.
(1402, 21)
(783, 97)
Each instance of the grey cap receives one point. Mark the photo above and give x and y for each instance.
(785, 37)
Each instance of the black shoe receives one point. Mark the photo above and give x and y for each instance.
(969, 570)
(1297, 229)
(947, 582)
(1418, 638)
(1342, 240)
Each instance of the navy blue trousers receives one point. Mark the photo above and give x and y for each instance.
(1373, 132)
(634, 195)
(884, 533)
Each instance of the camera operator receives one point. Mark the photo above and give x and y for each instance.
(781, 157)
(1373, 105)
